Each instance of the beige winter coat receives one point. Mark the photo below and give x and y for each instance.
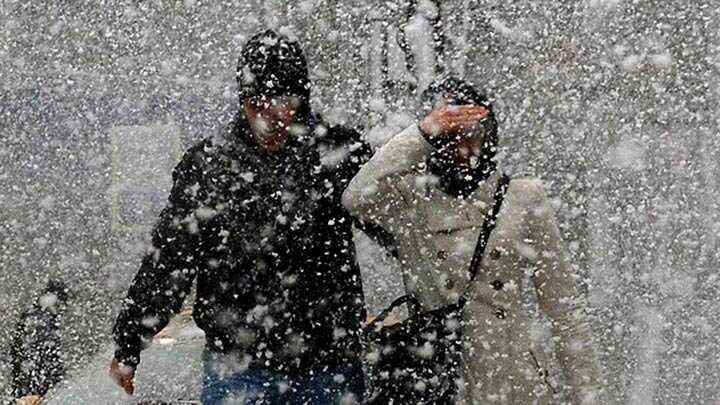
(525, 303)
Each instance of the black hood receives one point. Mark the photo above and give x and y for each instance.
(455, 180)
(272, 65)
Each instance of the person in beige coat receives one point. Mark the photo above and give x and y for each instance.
(430, 187)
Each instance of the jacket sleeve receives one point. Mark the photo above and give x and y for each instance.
(559, 295)
(167, 271)
(336, 252)
(371, 196)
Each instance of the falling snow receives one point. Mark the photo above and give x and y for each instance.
(612, 103)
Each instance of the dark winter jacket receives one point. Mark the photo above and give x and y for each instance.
(270, 245)
(35, 351)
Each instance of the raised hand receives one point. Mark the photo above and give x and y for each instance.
(448, 120)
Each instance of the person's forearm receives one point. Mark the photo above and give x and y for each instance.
(166, 273)
(370, 196)
(157, 292)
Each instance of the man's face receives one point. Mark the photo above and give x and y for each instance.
(270, 119)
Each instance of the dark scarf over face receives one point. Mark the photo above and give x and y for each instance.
(460, 181)
(456, 180)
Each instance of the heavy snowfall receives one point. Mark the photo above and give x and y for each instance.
(612, 103)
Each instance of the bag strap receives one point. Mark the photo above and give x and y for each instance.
(487, 227)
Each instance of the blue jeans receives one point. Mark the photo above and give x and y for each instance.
(257, 385)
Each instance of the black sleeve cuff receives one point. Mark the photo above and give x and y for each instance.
(127, 357)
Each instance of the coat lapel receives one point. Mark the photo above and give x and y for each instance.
(447, 214)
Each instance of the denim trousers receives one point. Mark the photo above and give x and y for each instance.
(229, 380)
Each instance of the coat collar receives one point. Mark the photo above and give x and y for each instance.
(482, 196)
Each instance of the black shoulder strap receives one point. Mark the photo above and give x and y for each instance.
(487, 228)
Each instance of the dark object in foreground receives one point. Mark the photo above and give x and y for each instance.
(35, 351)
(414, 359)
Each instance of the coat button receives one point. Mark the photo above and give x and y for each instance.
(500, 313)
(442, 255)
(498, 285)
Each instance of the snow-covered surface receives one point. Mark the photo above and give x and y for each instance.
(171, 370)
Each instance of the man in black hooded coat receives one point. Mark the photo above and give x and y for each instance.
(257, 219)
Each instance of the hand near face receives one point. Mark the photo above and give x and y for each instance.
(447, 120)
